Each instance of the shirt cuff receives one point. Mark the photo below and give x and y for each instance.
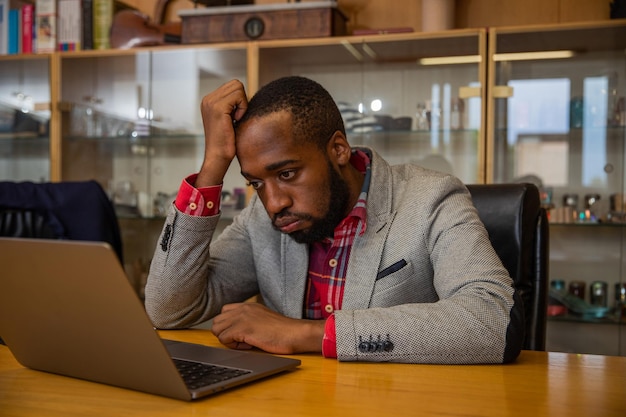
(204, 201)
(329, 342)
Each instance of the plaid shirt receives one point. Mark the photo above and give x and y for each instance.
(328, 259)
(328, 262)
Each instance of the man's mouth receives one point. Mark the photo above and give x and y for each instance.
(288, 224)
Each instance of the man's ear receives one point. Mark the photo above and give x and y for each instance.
(339, 149)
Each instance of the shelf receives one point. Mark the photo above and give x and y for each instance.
(573, 131)
(581, 38)
(174, 138)
(587, 225)
(22, 137)
(401, 141)
(379, 134)
(421, 134)
(128, 215)
(377, 49)
(611, 319)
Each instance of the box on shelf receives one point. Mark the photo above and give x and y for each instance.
(268, 21)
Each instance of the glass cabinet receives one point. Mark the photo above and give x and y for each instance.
(131, 120)
(413, 98)
(558, 119)
(25, 118)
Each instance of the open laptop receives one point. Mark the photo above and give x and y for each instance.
(67, 307)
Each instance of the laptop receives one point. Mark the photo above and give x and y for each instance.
(67, 307)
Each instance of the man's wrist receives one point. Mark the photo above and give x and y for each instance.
(310, 337)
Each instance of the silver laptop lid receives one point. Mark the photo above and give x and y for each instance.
(67, 307)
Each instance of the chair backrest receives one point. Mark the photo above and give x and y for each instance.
(74, 210)
(518, 230)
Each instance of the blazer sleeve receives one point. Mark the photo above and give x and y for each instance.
(190, 280)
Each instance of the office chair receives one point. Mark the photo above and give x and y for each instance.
(518, 230)
(75, 210)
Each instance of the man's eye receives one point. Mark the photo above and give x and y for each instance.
(287, 175)
(255, 184)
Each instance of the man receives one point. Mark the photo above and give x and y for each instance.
(352, 257)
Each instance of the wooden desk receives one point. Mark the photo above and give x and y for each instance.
(538, 384)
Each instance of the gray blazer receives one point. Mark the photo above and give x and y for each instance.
(423, 285)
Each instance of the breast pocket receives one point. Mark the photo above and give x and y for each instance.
(391, 269)
(395, 284)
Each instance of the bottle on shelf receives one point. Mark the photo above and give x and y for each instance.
(421, 117)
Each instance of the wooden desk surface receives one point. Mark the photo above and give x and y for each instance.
(538, 384)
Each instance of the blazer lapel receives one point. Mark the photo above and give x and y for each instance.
(363, 266)
(294, 271)
(367, 250)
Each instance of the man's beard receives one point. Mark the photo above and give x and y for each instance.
(339, 198)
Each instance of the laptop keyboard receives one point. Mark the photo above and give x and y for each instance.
(197, 375)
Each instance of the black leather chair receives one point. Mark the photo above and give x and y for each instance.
(74, 210)
(518, 230)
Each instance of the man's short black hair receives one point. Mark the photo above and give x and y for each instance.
(314, 113)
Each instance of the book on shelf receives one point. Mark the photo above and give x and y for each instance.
(28, 22)
(87, 17)
(14, 32)
(4, 27)
(102, 21)
(70, 28)
(45, 26)
(46, 23)
(16, 26)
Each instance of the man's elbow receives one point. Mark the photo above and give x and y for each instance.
(515, 331)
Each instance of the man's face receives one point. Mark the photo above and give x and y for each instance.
(303, 193)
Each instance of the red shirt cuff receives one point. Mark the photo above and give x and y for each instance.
(329, 342)
(204, 201)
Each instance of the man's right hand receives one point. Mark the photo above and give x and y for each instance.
(219, 109)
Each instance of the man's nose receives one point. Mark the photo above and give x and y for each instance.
(276, 199)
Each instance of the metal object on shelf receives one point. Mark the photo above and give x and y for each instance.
(578, 307)
(570, 200)
(591, 199)
(598, 294)
(557, 284)
(616, 212)
(620, 300)
(555, 307)
(577, 288)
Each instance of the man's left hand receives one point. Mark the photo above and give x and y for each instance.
(247, 325)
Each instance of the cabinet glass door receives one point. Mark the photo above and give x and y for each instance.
(558, 119)
(100, 98)
(131, 121)
(413, 98)
(180, 78)
(25, 118)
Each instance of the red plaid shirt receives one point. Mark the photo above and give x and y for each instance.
(328, 263)
(328, 259)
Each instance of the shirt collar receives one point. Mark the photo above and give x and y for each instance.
(361, 160)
